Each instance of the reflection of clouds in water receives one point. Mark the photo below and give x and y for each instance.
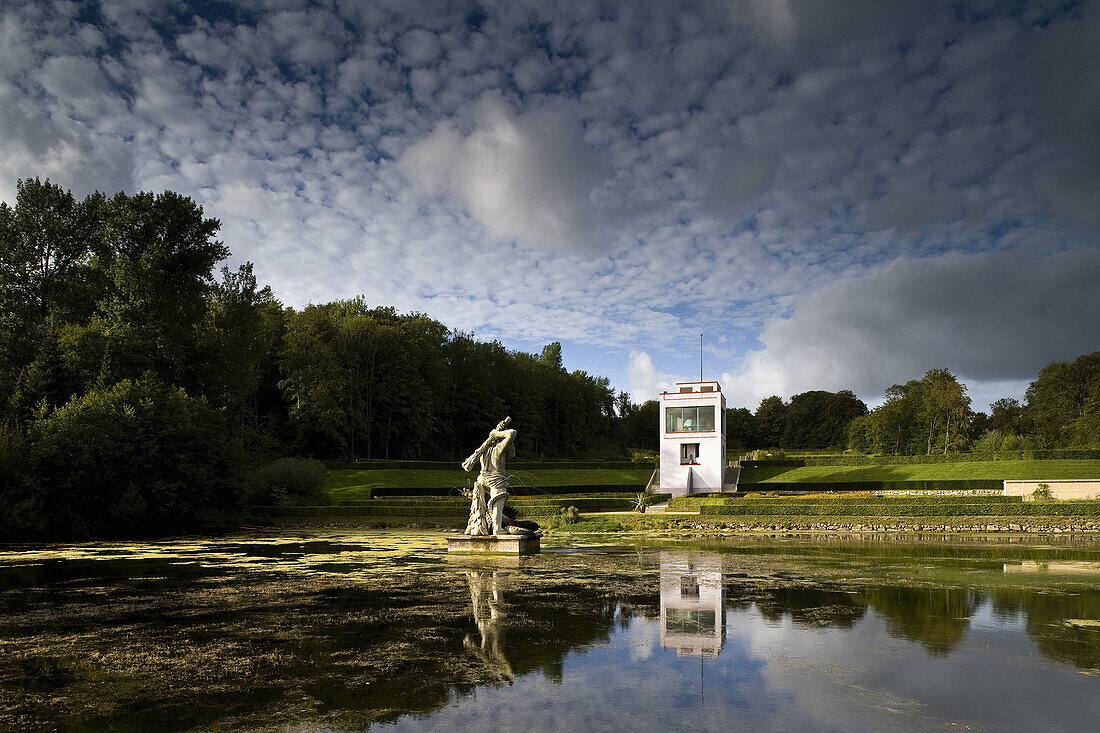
(987, 617)
(803, 649)
(641, 638)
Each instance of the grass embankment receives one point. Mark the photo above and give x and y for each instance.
(435, 511)
(358, 485)
(962, 471)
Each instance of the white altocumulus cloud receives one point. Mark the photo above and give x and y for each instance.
(845, 196)
(527, 177)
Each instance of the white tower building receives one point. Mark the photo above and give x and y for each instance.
(693, 438)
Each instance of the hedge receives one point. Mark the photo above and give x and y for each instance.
(928, 485)
(371, 510)
(451, 508)
(694, 501)
(514, 490)
(938, 499)
(366, 465)
(902, 508)
(1020, 455)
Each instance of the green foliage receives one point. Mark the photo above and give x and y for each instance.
(774, 456)
(1042, 493)
(921, 471)
(902, 485)
(135, 459)
(1063, 404)
(420, 509)
(121, 290)
(288, 481)
(989, 445)
(741, 430)
(771, 421)
(919, 417)
(640, 424)
(351, 484)
(818, 419)
(945, 506)
(1015, 454)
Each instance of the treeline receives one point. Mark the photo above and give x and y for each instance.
(815, 419)
(137, 388)
(933, 415)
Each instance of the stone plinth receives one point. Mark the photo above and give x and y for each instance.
(489, 544)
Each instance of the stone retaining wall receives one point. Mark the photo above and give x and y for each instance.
(1059, 488)
(938, 492)
(1033, 525)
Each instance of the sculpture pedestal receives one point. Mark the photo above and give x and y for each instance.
(493, 544)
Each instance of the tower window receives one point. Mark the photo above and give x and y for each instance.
(689, 419)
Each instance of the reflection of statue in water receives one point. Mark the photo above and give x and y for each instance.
(488, 603)
(487, 514)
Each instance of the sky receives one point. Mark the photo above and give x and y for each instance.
(837, 195)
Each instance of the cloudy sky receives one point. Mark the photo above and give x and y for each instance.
(836, 194)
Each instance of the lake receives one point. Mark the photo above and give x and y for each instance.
(353, 630)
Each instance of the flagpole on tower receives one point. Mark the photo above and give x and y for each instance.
(700, 357)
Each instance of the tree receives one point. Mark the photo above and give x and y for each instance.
(944, 405)
(551, 355)
(840, 409)
(157, 258)
(47, 241)
(139, 458)
(1005, 416)
(741, 428)
(895, 427)
(244, 329)
(771, 421)
(1064, 402)
(861, 434)
(642, 426)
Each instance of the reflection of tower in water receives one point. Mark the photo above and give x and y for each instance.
(487, 600)
(693, 601)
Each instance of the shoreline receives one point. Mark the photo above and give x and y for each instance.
(642, 524)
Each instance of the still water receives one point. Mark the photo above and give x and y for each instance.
(381, 630)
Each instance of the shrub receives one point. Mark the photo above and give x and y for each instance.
(18, 507)
(1042, 493)
(288, 481)
(131, 460)
(1016, 443)
(989, 444)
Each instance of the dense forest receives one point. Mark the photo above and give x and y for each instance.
(140, 385)
(137, 387)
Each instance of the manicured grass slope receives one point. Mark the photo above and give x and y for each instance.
(997, 470)
(345, 485)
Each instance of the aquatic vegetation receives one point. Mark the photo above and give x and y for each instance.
(342, 630)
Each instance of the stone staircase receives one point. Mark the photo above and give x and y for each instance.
(733, 473)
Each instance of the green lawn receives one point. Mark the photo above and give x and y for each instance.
(354, 484)
(999, 470)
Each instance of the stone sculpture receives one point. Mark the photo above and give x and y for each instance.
(490, 492)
